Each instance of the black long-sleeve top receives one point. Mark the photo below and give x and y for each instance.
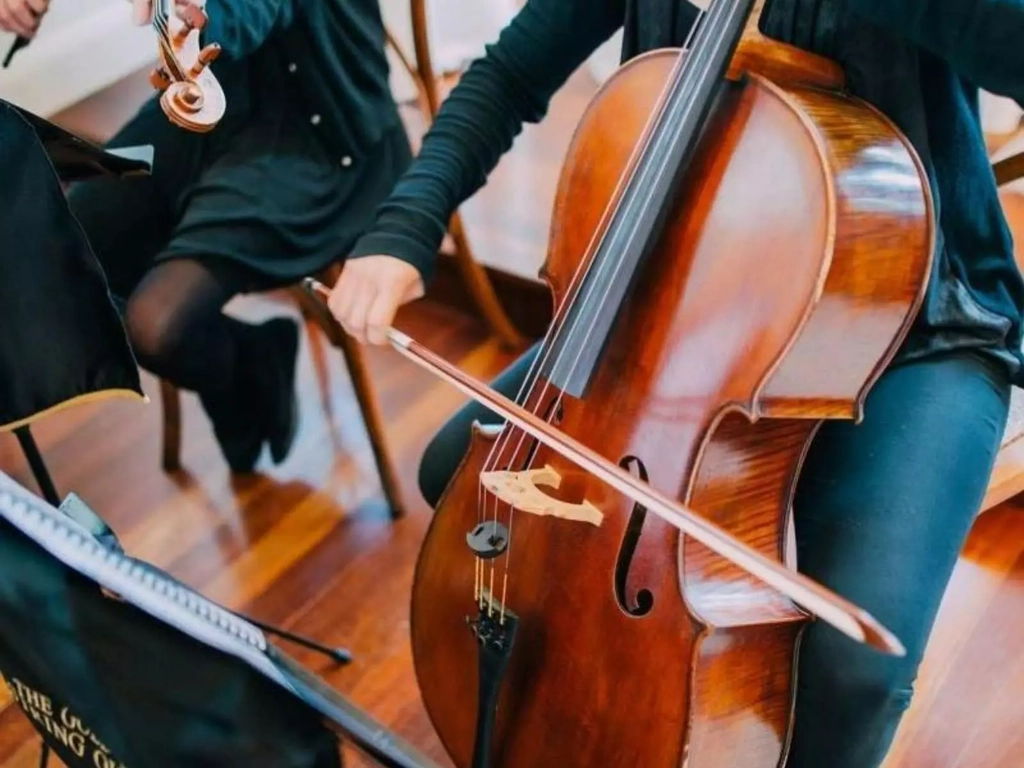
(920, 61)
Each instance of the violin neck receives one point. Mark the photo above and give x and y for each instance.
(161, 15)
(588, 315)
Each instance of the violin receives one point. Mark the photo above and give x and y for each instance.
(738, 249)
(192, 98)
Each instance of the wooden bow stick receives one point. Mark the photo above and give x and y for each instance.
(837, 611)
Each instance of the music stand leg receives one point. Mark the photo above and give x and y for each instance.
(340, 655)
(37, 465)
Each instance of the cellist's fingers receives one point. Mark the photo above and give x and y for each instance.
(359, 312)
(381, 313)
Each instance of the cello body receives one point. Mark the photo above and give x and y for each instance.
(789, 269)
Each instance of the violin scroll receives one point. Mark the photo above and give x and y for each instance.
(192, 97)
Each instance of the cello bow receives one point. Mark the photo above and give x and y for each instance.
(849, 619)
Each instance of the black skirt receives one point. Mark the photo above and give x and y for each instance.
(259, 193)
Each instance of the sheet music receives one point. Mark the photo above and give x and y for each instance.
(137, 583)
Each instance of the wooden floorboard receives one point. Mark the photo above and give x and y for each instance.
(309, 544)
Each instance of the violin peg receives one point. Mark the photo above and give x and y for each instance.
(203, 60)
(159, 79)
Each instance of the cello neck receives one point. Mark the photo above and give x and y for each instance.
(636, 217)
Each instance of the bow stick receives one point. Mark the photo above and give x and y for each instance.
(837, 611)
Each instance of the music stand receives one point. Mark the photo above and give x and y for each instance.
(112, 633)
(56, 294)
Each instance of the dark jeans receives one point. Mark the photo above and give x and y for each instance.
(882, 511)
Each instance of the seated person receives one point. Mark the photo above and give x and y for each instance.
(938, 412)
(311, 143)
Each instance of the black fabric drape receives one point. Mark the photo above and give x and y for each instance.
(107, 685)
(61, 338)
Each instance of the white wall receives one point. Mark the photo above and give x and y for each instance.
(85, 45)
(1000, 115)
(82, 47)
(605, 60)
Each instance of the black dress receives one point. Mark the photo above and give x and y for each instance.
(260, 197)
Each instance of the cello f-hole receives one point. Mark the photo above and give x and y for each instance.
(642, 604)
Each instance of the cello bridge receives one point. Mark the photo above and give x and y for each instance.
(521, 491)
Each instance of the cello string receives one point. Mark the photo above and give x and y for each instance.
(572, 294)
(676, 81)
(706, 48)
(713, 45)
(534, 372)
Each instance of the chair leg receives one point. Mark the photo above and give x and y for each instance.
(355, 361)
(361, 382)
(319, 354)
(481, 289)
(170, 399)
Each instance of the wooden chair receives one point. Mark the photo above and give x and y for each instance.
(318, 322)
(428, 85)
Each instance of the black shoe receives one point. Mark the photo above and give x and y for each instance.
(278, 372)
(264, 406)
(239, 435)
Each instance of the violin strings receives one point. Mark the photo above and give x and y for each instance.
(161, 23)
(539, 363)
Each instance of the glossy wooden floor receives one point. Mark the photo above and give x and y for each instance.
(309, 544)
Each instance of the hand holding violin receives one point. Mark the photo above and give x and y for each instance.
(22, 17)
(142, 10)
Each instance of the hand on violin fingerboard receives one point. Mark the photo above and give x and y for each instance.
(142, 10)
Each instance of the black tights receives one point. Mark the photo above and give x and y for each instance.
(242, 373)
(172, 264)
(178, 329)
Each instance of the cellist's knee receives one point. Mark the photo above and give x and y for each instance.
(850, 702)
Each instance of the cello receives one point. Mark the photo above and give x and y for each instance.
(738, 248)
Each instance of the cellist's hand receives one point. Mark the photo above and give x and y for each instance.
(22, 17)
(369, 293)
